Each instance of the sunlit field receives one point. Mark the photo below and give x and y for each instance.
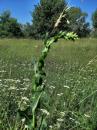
(71, 82)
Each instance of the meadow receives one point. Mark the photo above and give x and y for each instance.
(71, 82)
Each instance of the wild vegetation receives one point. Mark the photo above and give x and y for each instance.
(70, 82)
(9, 27)
(63, 96)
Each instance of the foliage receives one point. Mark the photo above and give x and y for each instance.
(9, 27)
(94, 33)
(27, 30)
(94, 22)
(94, 19)
(78, 22)
(71, 83)
(45, 15)
(46, 12)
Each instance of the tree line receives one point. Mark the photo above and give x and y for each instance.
(44, 17)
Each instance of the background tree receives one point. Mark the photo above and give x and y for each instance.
(45, 16)
(78, 22)
(27, 30)
(94, 19)
(9, 27)
(94, 22)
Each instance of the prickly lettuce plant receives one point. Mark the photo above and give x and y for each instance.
(39, 122)
(38, 88)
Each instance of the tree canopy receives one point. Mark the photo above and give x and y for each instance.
(78, 22)
(47, 12)
(45, 16)
(94, 19)
(9, 27)
(94, 24)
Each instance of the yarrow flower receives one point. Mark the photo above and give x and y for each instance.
(88, 116)
(12, 88)
(50, 126)
(66, 86)
(52, 87)
(25, 98)
(59, 94)
(26, 126)
(23, 120)
(60, 119)
(45, 111)
(62, 113)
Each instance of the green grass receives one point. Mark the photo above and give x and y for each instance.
(71, 82)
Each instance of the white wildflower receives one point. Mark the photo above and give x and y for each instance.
(72, 119)
(12, 88)
(17, 81)
(52, 87)
(9, 80)
(25, 98)
(23, 120)
(2, 71)
(26, 126)
(68, 22)
(50, 126)
(88, 116)
(77, 122)
(62, 113)
(26, 79)
(60, 119)
(59, 94)
(45, 111)
(66, 86)
(23, 88)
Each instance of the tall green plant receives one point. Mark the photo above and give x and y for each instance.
(38, 87)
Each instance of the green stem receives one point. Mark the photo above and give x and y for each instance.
(33, 121)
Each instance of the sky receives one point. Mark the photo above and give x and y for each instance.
(21, 9)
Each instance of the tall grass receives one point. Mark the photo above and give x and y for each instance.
(71, 83)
